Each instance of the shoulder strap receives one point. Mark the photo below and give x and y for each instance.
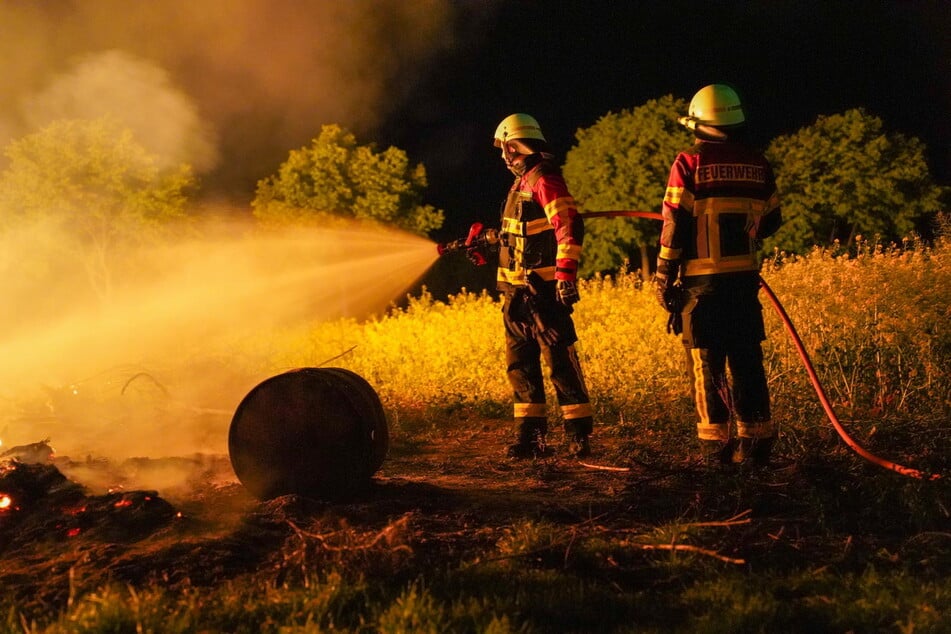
(542, 169)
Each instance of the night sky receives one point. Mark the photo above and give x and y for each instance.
(569, 63)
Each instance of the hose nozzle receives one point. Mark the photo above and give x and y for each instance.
(476, 238)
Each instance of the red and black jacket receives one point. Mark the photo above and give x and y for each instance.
(720, 201)
(541, 229)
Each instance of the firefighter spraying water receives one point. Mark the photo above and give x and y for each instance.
(538, 247)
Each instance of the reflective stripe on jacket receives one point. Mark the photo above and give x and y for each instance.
(720, 200)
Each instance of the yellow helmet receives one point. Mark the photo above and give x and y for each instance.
(714, 105)
(518, 126)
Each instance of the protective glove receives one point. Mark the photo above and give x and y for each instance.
(671, 299)
(566, 292)
(669, 296)
(477, 255)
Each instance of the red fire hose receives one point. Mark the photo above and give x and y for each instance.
(617, 214)
(813, 377)
(826, 405)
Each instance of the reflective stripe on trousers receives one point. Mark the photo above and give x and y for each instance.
(716, 399)
(523, 355)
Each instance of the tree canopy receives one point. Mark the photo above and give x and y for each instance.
(336, 178)
(96, 193)
(844, 176)
(622, 162)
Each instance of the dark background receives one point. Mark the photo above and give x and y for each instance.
(248, 81)
(569, 63)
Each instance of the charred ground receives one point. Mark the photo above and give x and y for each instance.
(448, 500)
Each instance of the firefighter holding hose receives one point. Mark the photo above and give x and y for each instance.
(539, 246)
(720, 202)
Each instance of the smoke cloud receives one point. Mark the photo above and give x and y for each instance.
(138, 94)
(230, 86)
(159, 369)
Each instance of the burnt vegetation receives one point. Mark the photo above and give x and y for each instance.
(547, 544)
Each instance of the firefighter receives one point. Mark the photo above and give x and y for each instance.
(539, 248)
(720, 202)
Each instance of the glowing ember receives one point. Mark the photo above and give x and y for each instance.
(5, 502)
(72, 532)
(123, 503)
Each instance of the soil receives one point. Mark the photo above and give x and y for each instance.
(447, 496)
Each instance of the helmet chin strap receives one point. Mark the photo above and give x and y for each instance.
(516, 166)
(688, 122)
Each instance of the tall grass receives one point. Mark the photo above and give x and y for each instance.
(843, 551)
(877, 325)
(878, 321)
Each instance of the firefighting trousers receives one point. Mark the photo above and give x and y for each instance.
(745, 398)
(524, 353)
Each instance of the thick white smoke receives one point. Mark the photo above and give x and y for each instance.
(230, 86)
(137, 93)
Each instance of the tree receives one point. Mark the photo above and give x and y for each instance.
(335, 178)
(844, 176)
(96, 193)
(622, 162)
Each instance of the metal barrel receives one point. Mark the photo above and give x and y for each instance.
(317, 432)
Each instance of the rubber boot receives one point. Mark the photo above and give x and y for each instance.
(715, 453)
(580, 446)
(531, 443)
(757, 451)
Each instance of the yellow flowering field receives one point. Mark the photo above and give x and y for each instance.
(875, 323)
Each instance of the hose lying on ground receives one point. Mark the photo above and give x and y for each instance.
(813, 377)
(826, 405)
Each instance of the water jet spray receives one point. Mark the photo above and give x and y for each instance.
(157, 371)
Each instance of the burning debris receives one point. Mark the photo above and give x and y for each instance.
(38, 504)
(34, 453)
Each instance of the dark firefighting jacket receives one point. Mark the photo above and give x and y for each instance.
(720, 202)
(541, 229)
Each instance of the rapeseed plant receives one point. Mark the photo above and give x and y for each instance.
(875, 322)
